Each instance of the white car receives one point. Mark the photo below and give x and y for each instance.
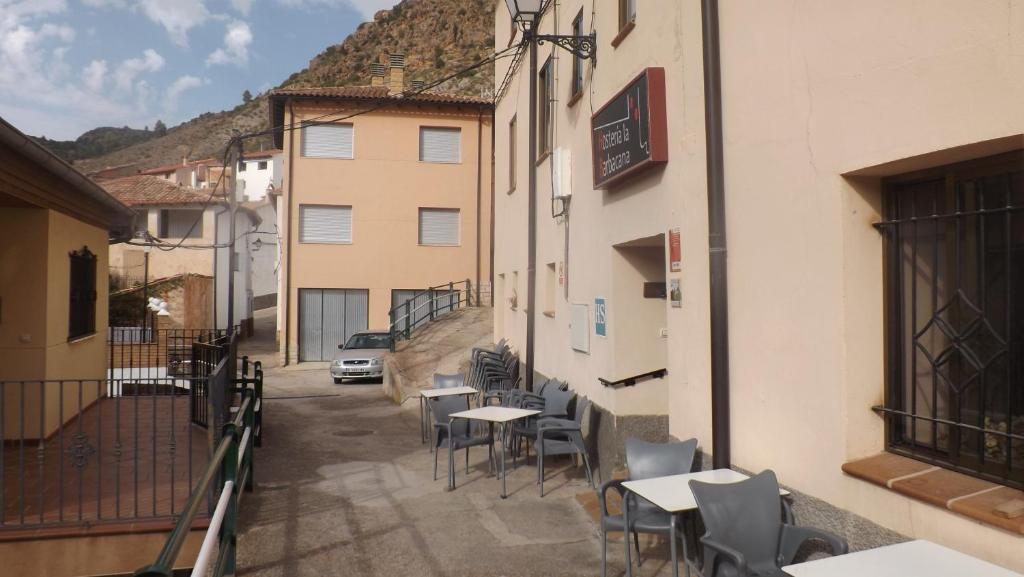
(362, 357)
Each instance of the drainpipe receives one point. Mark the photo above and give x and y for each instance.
(720, 429)
(287, 221)
(479, 195)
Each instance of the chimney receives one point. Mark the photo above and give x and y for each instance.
(377, 74)
(396, 82)
(418, 85)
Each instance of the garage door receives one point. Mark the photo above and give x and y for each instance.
(419, 309)
(327, 318)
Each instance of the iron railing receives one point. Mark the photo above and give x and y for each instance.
(427, 305)
(137, 353)
(954, 255)
(230, 470)
(632, 381)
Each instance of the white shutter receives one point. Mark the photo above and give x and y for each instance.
(440, 145)
(439, 226)
(325, 224)
(327, 141)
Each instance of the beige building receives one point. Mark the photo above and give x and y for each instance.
(190, 223)
(873, 178)
(383, 195)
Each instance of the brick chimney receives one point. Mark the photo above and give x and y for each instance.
(377, 74)
(418, 85)
(396, 80)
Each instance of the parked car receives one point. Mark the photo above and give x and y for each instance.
(362, 357)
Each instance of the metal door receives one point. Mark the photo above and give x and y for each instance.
(327, 318)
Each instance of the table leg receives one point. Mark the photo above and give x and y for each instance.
(504, 493)
(625, 532)
(675, 558)
(491, 468)
(451, 458)
(423, 422)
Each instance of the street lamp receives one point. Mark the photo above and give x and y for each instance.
(527, 14)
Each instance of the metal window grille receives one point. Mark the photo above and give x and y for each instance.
(82, 305)
(954, 258)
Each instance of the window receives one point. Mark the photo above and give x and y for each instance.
(440, 145)
(577, 61)
(181, 223)
(439, 226)
(141, 223)
(262, 165)
(325, 224)
(82, 304)
(954, 258)
(627, 13)
(544, 125)
(327, 141)
(242, 166)
(512, 154)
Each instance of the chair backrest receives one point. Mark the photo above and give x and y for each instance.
(744, 515)
(448, 381)
(582, 403)
(443, 407)
(557, 384)
(646, 460)
(556, 402)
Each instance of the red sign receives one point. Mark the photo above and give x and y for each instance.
(675, 251)
(630, 132)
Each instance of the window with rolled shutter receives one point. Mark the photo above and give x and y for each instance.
(325, 224)
(327, 141)
(440, 145)
(439, 226)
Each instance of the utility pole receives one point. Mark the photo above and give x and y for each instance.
(145, 287)
(530, 34)
(234, 155)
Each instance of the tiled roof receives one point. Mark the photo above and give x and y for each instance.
(145, 190)
(376, 92)
(260, 154)
(173, 167)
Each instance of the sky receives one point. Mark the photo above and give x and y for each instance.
(67, 66)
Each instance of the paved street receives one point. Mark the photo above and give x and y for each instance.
(345, 488)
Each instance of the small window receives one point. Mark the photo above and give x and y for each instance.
(439, 226)
(577, 61)
(241, 166)
(325, 224)
(512, 154)
(627, 13)
(544, 124)
(440, 145)
(327, 141)
(181, 223)
(262, 165)
(82, 304)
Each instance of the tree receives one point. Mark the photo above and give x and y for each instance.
(247, 97)
(160, 128)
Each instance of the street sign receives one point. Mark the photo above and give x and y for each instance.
(600, 317)
(630, 132)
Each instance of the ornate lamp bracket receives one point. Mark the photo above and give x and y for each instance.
(583, 46)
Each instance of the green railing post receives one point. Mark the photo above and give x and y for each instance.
(229, 472)
(257, 431)
(408, 320)
(430, 294)
(451, 287)
(250, 423)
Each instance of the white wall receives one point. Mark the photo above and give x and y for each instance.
(265, 261)
(256, 181)
(243, 276)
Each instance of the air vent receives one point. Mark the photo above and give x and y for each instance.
(418, 85)
(377, 69)
(396, 60)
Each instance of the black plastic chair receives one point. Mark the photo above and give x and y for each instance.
(562, 437)
(746, 536)
(455, 436)
(644, 461)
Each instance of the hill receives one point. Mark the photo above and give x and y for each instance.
(98, 141)
(438, 37)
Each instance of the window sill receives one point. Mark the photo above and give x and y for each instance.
(82, 338)
(623, 33)
(574, 99)
(968, 496)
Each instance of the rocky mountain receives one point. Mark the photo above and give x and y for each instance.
(438, 37)
(99, 141)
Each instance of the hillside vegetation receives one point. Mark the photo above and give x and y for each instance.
(438, 37)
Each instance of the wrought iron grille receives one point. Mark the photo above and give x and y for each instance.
(954, 257)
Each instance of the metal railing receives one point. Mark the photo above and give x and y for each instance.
(230, 469)
(428, 305)
(633, 380)
(134, 353)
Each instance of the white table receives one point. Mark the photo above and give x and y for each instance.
(909, 559)
(672, 494)
(426, 395)
(490, 415)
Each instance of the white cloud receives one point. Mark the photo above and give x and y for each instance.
(243, 6)
(94, 74)
(129, 70)
(105, 3)
(177, 16)
(237, 39)
(179, 86)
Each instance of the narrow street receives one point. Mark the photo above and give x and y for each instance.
(344, 487)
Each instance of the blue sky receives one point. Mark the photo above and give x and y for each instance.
(67, 66)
